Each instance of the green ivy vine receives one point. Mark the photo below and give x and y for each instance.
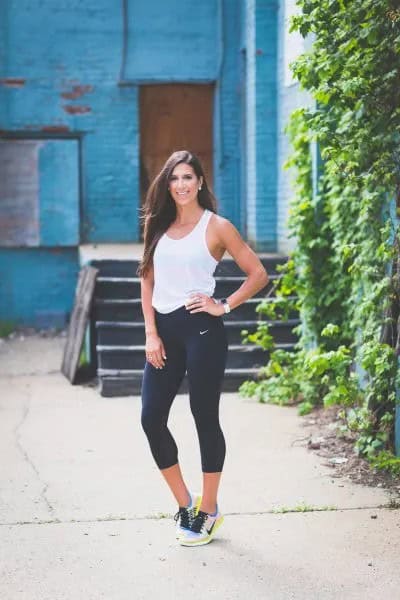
(343, 276)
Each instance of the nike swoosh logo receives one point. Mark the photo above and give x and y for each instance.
(211, 528)
(203, 332)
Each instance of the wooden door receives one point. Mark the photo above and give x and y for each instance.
(174, 117)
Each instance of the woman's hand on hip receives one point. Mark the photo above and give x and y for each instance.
(155, 351)
(202, 303)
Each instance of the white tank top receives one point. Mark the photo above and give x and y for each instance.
(183, 267)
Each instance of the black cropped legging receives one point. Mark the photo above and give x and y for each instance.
(195, 343)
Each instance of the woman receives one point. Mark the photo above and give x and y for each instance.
(184, 239)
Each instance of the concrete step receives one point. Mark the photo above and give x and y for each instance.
(128, 268)
(133, 357)
(129, 287)
(120, 338)
(228, 266)
(123, 309)
(132, 334)
(129, 383)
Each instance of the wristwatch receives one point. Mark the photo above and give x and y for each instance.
(227, 308)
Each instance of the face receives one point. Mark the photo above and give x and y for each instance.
(184, 184)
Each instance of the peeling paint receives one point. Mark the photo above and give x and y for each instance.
(77, 91)
(13, 82)
(72, 109)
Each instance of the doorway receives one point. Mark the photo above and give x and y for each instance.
(174, 117)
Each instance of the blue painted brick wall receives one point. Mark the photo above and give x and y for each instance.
(60, 75)
(61, 71)
(261, 133)
(227, 131)
(250, 172)
(59, 206)
(175, 40)
(37, 285)
(266, 13)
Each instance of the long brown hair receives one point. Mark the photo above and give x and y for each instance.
(159, 209)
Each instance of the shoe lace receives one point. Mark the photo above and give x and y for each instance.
(198, 521)
(185, 516)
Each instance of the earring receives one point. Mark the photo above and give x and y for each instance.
(199, 188)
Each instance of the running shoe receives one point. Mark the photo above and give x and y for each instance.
(202, 530)
(186, 514)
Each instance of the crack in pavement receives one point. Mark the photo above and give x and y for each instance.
(18, 443)
(161, 516)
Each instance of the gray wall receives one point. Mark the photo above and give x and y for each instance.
(290, 97)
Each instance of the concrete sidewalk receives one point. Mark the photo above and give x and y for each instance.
(85, 514)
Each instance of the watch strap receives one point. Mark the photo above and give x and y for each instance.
(227, 308)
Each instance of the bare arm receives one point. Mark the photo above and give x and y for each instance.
(146, 293)
(155, 351)
(257, 277)
(246, 259)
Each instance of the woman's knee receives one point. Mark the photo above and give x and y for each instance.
(152, 422)
(205, 416)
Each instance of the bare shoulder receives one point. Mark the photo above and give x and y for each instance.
(224, 237)
(227, 238)
(223, 228)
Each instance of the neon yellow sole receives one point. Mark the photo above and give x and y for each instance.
(184, 542)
